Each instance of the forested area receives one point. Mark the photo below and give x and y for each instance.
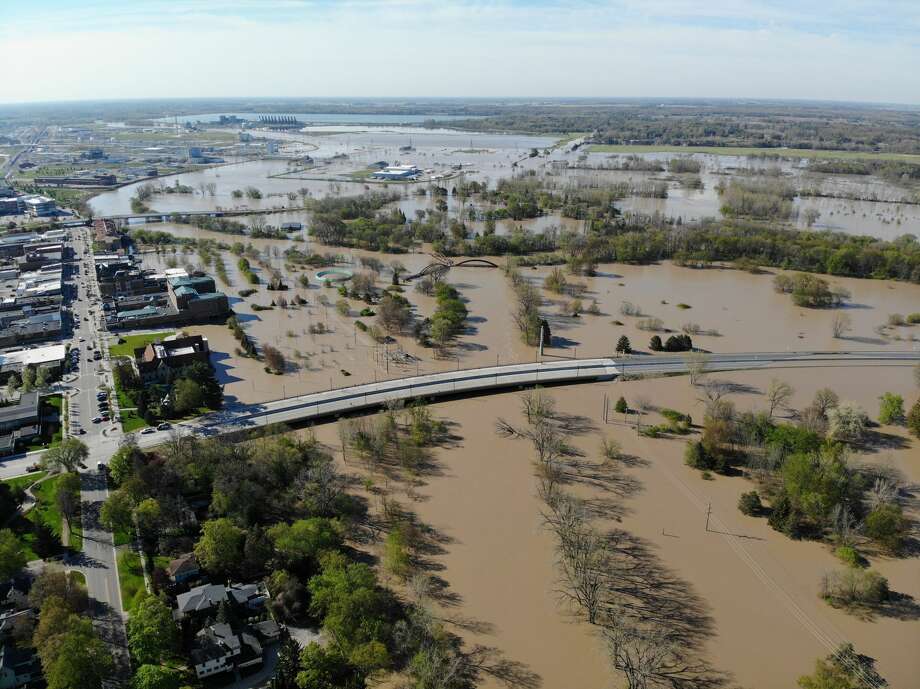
(818, 126)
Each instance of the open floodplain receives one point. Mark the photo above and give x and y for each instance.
(749, 593)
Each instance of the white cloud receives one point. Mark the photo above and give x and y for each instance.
(196, 48)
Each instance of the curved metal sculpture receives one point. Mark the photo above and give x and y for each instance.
(442, 265)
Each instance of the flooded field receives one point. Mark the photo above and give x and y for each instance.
(342, 151)
(729, 310)
(758, 588)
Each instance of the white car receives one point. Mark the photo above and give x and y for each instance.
(148, 430)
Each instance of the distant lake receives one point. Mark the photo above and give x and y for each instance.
(319, 118)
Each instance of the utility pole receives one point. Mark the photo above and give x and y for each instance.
(708, 512)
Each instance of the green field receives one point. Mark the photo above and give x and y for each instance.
(130, 579)
(45, 511)
(132, 342)
(753, 151)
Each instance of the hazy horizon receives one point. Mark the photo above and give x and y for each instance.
(849, 52)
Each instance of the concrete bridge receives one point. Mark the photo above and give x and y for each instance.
(159, 216)
(319, 405)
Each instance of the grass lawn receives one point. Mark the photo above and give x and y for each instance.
(130, 419)
(25, 481)
(751, 151)
(131, 579)
(132, 342)
(46, 511)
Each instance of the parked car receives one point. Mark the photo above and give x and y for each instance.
(33, 467)
(148, 430)
(97, 419)
(164, 427)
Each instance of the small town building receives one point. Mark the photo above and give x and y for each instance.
(157, 359)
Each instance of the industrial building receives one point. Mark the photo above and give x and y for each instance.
(397, 172)
(39, 206)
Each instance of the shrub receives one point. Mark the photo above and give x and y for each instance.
(750, 504)
(611, 449)
(913, 318)
(651, 324)
(621, 407)
(848, 555)
(913, 419)
(361, 326)
(853, 586)
(684, 306)
(895, 319)
(891, 408)
(887, 526)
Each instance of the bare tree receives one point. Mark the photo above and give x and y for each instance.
(841, 324)
(647, 657)
(825, 400)
(583, 570)
(697, 365)
(778, 395)
(537, 406)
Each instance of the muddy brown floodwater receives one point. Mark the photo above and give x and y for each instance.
(759, 588)
(742, 308)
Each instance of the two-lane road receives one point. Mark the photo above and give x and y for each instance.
(318, 405)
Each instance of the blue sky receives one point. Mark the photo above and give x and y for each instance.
(847, 50)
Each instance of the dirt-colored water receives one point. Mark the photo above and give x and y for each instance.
(745, 310)
(759, 587)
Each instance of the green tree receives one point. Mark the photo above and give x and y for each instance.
(67, 496)
(80, 659)
(147, 516)
(220, 548)
(891, 408)
(300, 543)
(28, 379)
(843, 669)
(913, 419)
(152, 634)
(655, 343)
(123, 463)
(12, 557)
(72, 656)
(117, 512)
(288, 666)
(623, 345)
(621, 406)
(155, 677)
(68, 456)
(187, 396)
(354, 609)
(68, 588)
(323, 668)
(887, 525)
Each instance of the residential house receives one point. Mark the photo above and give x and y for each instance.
(183, 568)
(18, 667)
(218, 648)
(201, 599)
